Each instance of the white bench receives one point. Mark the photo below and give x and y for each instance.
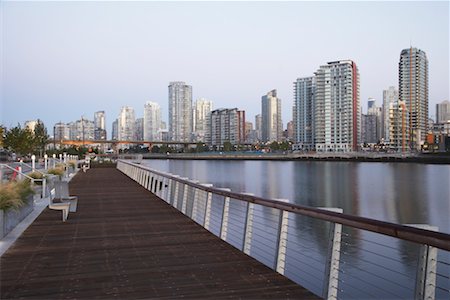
(62, 206)
(62, 193)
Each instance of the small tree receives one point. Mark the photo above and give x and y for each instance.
(2, 133)
(19, 140)
(40, 137)
(227, 146)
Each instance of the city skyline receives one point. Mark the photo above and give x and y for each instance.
(101, 62)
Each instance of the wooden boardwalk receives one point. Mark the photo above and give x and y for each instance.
(125, 243)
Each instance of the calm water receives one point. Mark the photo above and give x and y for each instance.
(400, 193)
(395, 192)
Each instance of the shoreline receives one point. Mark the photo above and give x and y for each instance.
(422, 158)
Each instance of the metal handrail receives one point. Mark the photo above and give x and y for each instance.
(417, 235)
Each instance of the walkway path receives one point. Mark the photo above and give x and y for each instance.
(125, 243)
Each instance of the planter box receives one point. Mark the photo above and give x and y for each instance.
(10, 218)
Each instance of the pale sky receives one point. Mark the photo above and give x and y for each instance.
(64, 60)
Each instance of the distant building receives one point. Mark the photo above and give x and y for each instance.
(61, 131)
(290, 130)
(443, 112)
(337, 109)
(303, 113)
(180, 111)
(115, 130)
(152, 122)
(99, 125)
(272, 126)
(81, 130)
(371, 123)
(226, 125)
(390, 96)
(258, 127)
(413, 91)
(31, 125)
(202, 109)
(126, 124)
(139, 129)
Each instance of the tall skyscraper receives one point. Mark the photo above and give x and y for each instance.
(226, 125)
(337, 113)
(390, 96)
(126, 124)
(99, 125)
(272, 126)
(303, 113)
(139, 129)
(443, 112)
(202, 108)
(180, 111)
(152, 121)
(413, 90)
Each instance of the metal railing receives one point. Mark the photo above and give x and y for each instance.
(333, 254)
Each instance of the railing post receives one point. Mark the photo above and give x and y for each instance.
(334, 254)
(225, 215)
(33, 163)
(283, 223)
(44, 185)
(45, 161)
(1, 173)
(19, 172)
(247, 242)
(426, 268)
(208, 208)
(187, 190)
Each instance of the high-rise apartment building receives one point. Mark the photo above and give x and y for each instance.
(303, 113)
(413, 90)
(225, 125)
(126, 124)
(82, 130)
(443, 112)
(152, 121)
(202, 108)
(180, 111)
(390, 96)
(99, 125)
(337, 109)
(272, 126)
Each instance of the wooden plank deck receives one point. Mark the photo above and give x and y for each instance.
(125, 243)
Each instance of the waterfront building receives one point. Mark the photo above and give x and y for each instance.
(99, 125)
(271, 124)
(126, 124)
(152, 121)
(139, 129)
(202, 108)
(115, 130)
(369, 128)
(180, 111)
(390, 96)
(399, 127)
(303, 113)
(61, 131)
(413, 91)
(337, 110)
(443, 112)
(225, 125)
